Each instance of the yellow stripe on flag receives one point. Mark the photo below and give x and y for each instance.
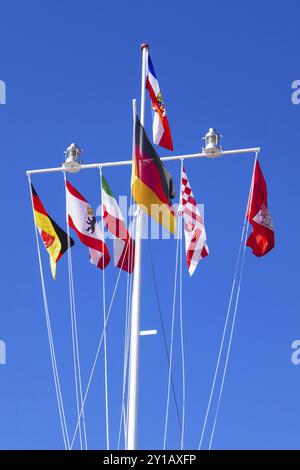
(44, 224)
(149, 202)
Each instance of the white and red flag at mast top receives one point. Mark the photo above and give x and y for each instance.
(194, 231)
(160, 127)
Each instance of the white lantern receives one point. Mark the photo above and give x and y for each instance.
(72, 158)
(212, 139)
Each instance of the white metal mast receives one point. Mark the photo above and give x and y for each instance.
(131, 443)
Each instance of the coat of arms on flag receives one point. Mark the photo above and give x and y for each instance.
(89, 225)
(55, 239)
(261, 240)
(81, 218)
(194, 230)
(161, 128)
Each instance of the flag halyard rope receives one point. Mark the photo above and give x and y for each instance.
(75, 343)
(172, 342)
(235, 308)
(56, 378)
(236, 286)
(237, 275)
(123, 413)
(74, 351)
(164, 332)
(181, 330)
(129, 281)
(98, 350)
(105, 336)
(229, 345)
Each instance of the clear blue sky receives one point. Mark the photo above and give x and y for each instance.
(71, 69)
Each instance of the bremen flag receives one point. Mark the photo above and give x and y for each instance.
(194, 230)
(54, 238)
(261, 240)
(113, 219)
(81, 218)
(161, 129)
(151, 184)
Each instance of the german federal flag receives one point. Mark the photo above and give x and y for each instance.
(54, 238)
(151, 184)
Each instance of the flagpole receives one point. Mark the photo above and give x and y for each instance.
(136, 297)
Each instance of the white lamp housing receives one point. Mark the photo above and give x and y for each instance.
(72, 158)
(212, 139)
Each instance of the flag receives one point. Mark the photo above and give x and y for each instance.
(151, 184)
(261, 240)
(194, 230)
(54, 238)
(81, 218)
(113, 219)
(160, 127)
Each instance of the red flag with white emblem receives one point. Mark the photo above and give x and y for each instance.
(194, 230)
(261, 240)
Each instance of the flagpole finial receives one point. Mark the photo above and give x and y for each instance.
(144, 45)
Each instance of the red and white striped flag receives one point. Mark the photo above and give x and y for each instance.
(194, 230)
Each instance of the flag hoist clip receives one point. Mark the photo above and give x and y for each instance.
(212, 147)
(72, 159)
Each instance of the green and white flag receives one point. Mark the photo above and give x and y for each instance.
(114, 221)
